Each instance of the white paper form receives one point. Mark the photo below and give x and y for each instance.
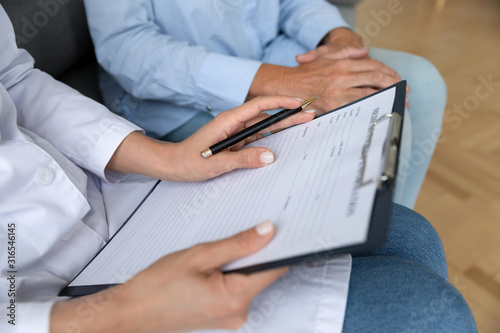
(311, 193)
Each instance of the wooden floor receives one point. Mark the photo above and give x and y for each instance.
(461, 193)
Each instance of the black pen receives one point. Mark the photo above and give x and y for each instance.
(256, 128)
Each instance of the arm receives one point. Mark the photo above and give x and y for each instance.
(83, 130)
(151, 64)
(317, 23)
(183, 291)
(183, 162)
(339, 77)
(308, 21)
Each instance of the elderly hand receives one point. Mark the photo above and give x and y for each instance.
(334, 43)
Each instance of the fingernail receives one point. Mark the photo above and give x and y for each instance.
(267, 157)
(309, 111)
(299, 99)
(264, 228)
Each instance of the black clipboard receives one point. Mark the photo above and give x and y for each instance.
(381, 212)
(382, 208)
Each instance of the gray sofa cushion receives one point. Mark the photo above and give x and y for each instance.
(55, 33)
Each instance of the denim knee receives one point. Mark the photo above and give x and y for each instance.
(412, 237)
(389, 294)
(422, 76)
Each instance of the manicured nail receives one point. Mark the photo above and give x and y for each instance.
(264, 228)
(309, 111)
(267, 157)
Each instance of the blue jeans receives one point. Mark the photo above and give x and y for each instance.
(422, 125)
(402, 286)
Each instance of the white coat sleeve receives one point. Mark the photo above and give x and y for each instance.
(82, 129)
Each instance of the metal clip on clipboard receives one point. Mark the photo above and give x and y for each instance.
(390, 149)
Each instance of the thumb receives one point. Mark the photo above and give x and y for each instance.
(248, 158)
(358, 53)
(221, 252)
(349, 52)
(306, 57)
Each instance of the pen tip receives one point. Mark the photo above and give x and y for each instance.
(309, 101)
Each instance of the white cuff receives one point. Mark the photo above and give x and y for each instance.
(29, 317)
(106, 147)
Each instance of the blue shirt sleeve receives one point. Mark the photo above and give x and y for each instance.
(153, 65)
(308, 21)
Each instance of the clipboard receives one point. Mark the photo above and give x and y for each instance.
(381, 209)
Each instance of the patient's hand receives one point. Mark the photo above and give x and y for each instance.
(338, 43)
(342, 43)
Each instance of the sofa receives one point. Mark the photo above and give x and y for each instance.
(56, 34)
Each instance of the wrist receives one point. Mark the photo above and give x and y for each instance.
(268, 81)
(101, 312)
(139, 154)
(342, 36)
(284, 81)
(170, 161)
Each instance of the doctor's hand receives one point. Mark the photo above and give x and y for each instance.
(183, 162)
(193, 167)
(182, 291)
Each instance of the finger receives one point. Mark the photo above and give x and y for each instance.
(334, 52)
(298, 118)
(250, 158)
(250, 285)
(364, 65)
(372, 79)
(216, 254)
(260, 281)
(257, 105)
(359, 53)
(349, 53)
(354, 94)
(312, 54)
(257, 119)
(306, 57)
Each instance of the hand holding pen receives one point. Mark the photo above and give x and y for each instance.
(182, 161)
(254, 129)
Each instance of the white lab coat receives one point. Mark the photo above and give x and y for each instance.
(54, 146)
(49, 137)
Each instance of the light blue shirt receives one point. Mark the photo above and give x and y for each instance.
(170, 59)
